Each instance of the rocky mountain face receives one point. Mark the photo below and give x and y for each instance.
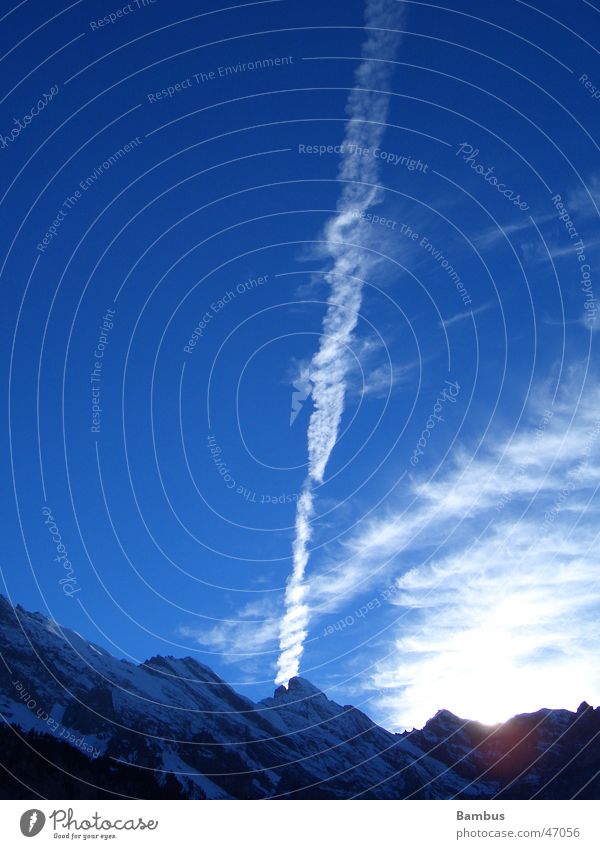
(171, 727)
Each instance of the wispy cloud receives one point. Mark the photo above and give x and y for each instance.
(538, 252)
(371, 372)
(253, 631)
(581, 203)
(461, 316)
(381, 380)
(367, 109)
(507, 624)
(506, 232)
(584, 199)
(497, 562)
(583, 321)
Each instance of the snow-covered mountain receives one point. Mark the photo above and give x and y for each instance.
(175, 716)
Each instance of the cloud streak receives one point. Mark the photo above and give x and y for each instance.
(496, 572)
(367, 109)
(461, 316)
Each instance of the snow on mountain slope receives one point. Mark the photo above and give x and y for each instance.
(175, 715)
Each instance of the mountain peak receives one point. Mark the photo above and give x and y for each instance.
(183, 668)
(444, 721)
(299, 688)
(176, 715)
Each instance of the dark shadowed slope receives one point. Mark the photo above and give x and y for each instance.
(87, 725)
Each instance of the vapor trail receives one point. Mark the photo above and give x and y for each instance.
(367, 109)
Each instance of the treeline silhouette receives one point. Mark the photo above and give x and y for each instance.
(36, 764)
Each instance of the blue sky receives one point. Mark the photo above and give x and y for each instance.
(217, 192)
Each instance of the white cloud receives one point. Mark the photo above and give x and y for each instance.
(505, 232)
(382, 379)
(367, 110)
(581, 203)
(497, 568)
(253, 631)
(507, 625)
(581, 200)
(461, 316)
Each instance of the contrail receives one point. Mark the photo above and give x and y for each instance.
(367, 109)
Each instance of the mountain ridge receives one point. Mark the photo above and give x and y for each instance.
(176, 719)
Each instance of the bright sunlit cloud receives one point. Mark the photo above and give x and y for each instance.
(497, 572)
